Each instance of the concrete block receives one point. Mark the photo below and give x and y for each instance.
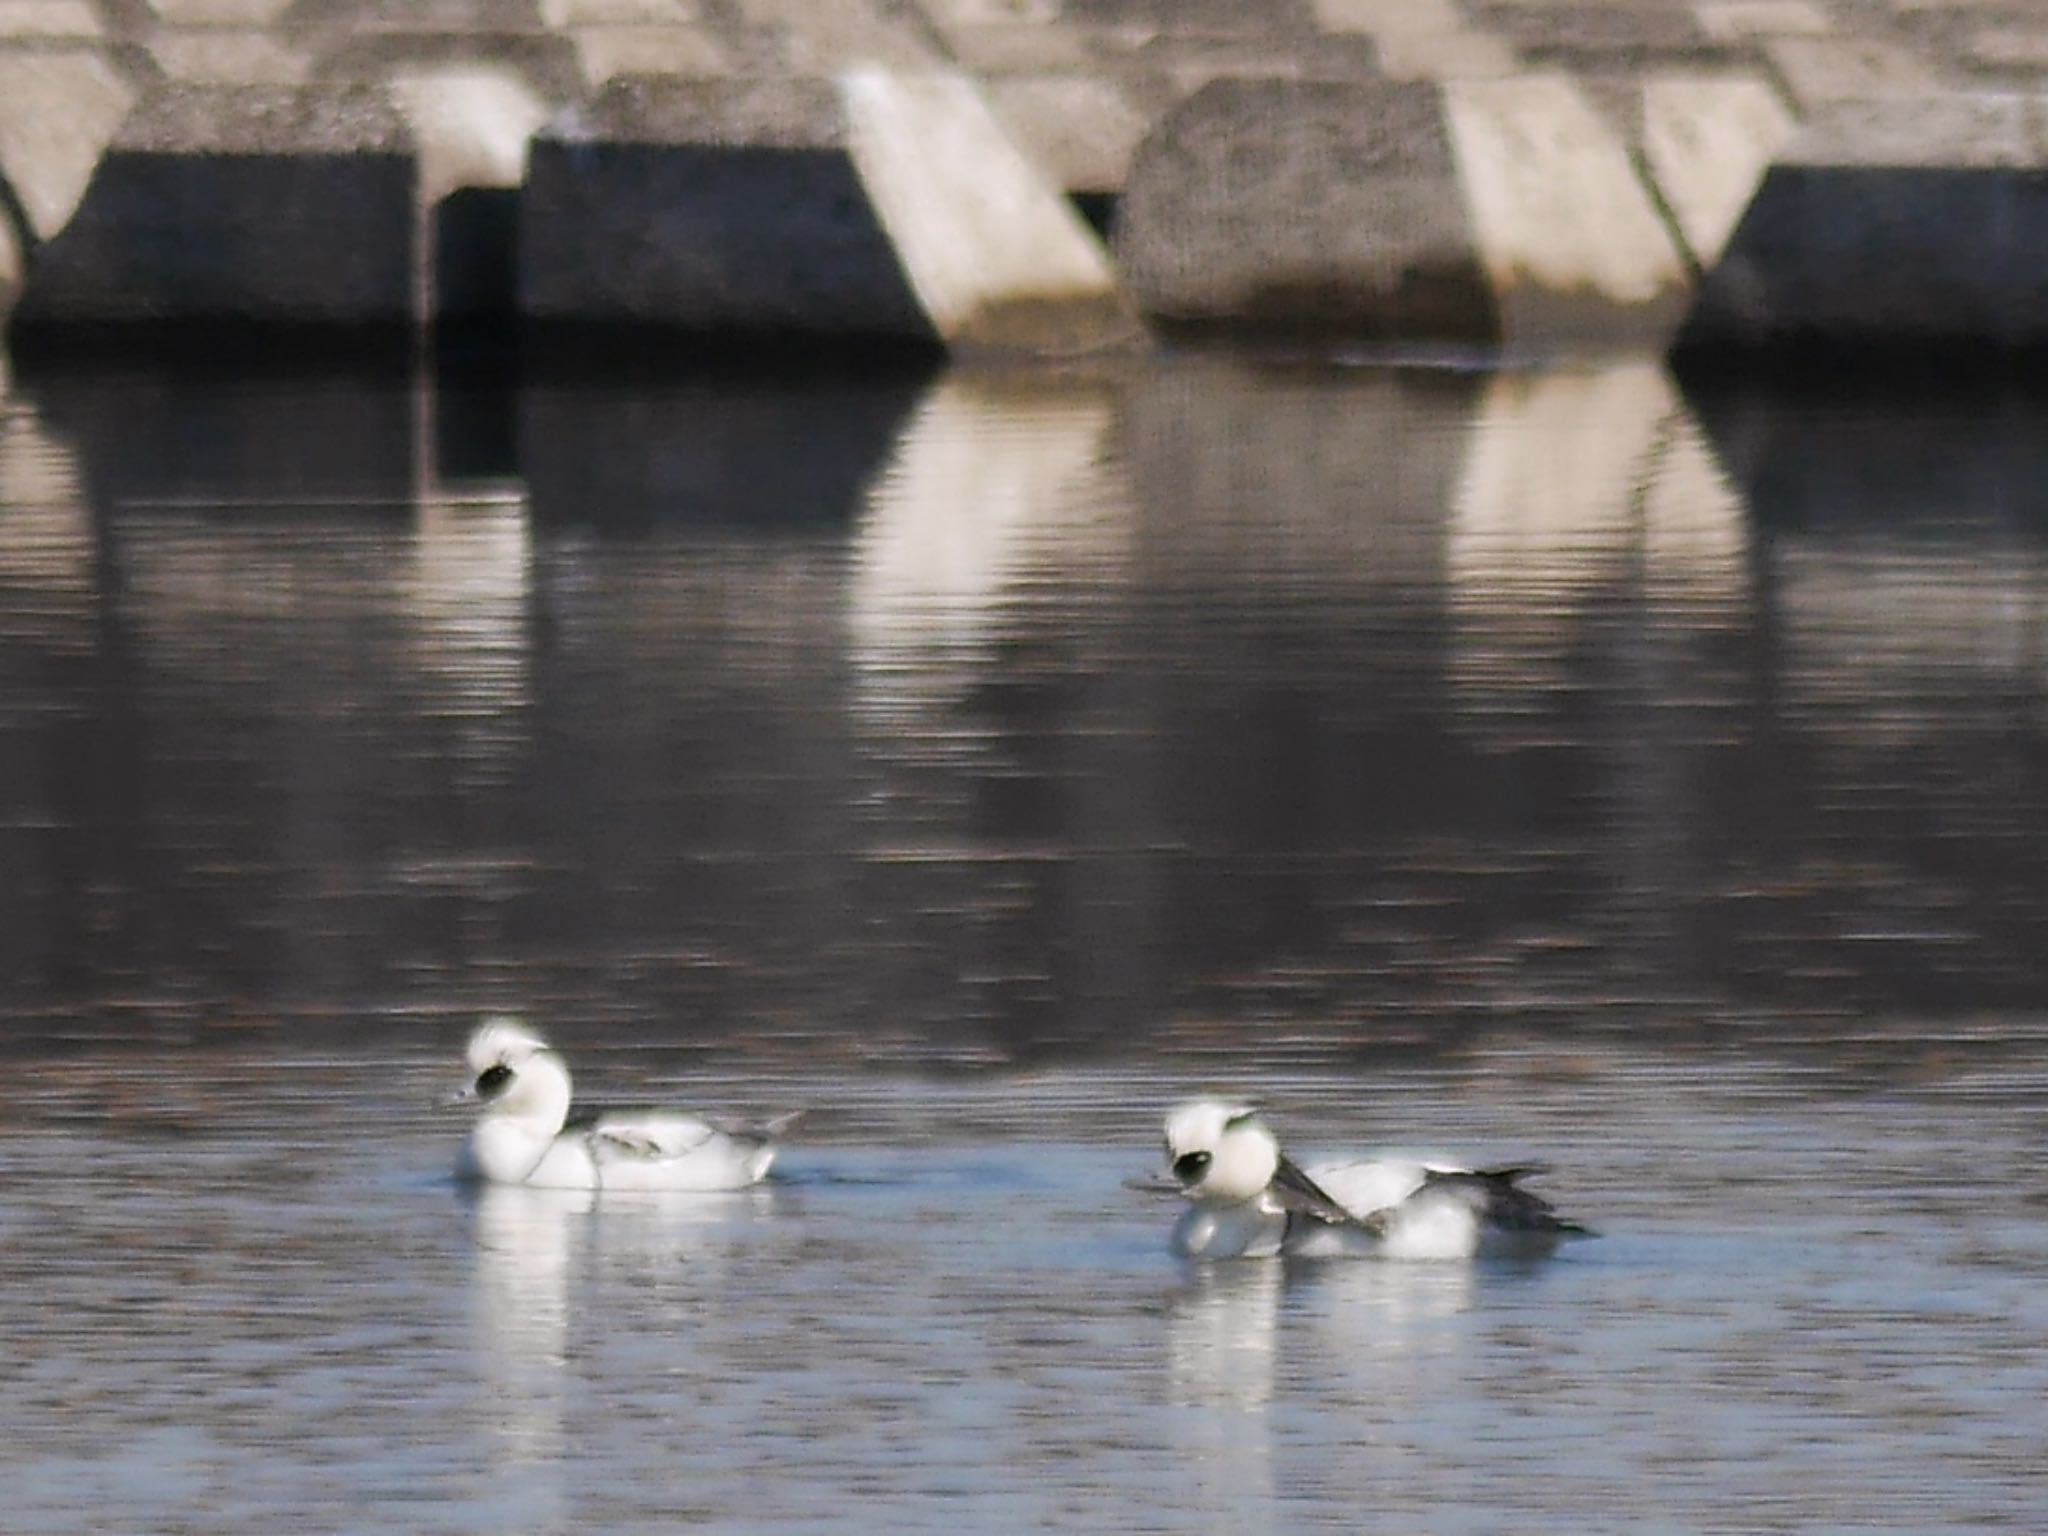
(998, 258)
(1305, 210)
(887, 207)
(1893, 224)
(711, 206)
(238, 206)
(1572, 246)
(1080, 132)
(1707, 141)
(1481, 213)
(470, 126)
(59, 108)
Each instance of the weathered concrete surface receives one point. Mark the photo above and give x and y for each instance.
(708, 206)
(1892, 223)
(998, 260)
(244, 206)
(1317, 210)
(1485, 212)
(1599, 156)
(880, 205)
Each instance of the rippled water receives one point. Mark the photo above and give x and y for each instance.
(1532, 766)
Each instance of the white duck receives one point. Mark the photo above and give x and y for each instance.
(524, 1135)
(1247, 1199)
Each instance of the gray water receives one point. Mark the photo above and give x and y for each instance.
(1543, 766)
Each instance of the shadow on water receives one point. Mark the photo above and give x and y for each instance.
(976, 718)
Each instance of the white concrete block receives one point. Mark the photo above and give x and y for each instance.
(997, 257)
(1708, 141)
(1564, 228)
(58, 112)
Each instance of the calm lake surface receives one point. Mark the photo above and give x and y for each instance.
(1536, 766)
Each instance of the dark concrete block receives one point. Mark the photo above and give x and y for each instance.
(238, 206)
(1897, 224)
(708, 206)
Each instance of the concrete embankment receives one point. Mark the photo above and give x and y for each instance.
(1046, 177)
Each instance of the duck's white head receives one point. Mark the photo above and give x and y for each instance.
(1220, 1151)
(513, 1075)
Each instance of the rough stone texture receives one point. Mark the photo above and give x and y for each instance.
(1310, 210)
(241, 206)
(717, 206)
(1890, 224)
(1502, 211)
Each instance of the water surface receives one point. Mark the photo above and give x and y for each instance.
(1529, 766)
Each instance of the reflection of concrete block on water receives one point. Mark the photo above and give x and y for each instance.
(249, 206)
(171, 436)
(716, 450)
(1896, 222)
(885, 206)
(1386, 212)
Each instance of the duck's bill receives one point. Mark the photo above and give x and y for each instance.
(1154, 1184)
(466, 1094)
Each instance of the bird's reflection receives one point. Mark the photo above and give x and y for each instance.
(521, 1298)
(545, 1257)
(1221, 1334)
(1241, 1336)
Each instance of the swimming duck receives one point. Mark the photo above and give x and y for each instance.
(1248, 1199)
(524, 1133)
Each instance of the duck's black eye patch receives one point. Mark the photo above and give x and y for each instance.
(1190, 1166)
(493, 1080)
